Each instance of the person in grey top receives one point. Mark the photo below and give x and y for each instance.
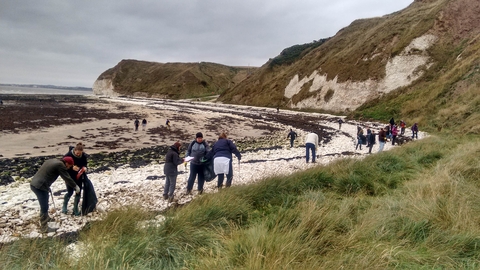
(44, 178)
(172, 160)
(197, 149)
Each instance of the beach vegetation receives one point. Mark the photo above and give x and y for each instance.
(412, 207)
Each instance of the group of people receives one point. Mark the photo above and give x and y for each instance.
(136, 123)
(72, 168)
(385, 134)
(199, 154)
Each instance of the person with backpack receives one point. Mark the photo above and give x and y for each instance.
(197, 149)
(222, 159)
(292, 135)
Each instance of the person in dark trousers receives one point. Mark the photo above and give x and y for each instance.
(44, 178)
(197, 149)
(167, 123)
(414, 131)
(222, 159)
(78, 173)
(359, 138)
(172, 160)
(311, 145)
(370, 140)
(144, 124)
(292, 135)
(340, 122)
(402, 127)
(136, 123)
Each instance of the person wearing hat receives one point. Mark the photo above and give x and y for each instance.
(197, 149)
(172, 160)
(44, 178)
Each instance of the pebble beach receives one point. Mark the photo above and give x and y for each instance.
(127, 165)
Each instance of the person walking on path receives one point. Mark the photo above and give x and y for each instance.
(144, 124)
(222, 159)
(415, 131)
(197, 149)
(78, 173)
(360, 137)
(172, 160)
(382, 138)
(44, 178)
(311, 145)
(394, 133)
(136, 123)
(292, 135)
(370, 140)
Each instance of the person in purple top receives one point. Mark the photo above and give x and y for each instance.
(222, 153)
(415, 131)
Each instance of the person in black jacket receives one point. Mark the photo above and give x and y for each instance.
(292, 135)
(78, 173)
(172, 160)
(136, 123)
(370, 140)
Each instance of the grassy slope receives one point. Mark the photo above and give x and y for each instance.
(412, 207)
(173, 80)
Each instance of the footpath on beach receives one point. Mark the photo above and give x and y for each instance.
(143, 186)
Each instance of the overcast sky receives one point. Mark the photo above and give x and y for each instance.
(71, 43)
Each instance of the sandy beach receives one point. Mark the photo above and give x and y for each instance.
(260, 134)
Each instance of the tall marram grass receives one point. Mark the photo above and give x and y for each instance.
(415, 207)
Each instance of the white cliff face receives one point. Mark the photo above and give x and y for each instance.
(400, 71)
(104, 88)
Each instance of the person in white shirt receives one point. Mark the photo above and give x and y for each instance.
(311, 144)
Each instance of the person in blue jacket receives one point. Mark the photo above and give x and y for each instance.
(222, 153)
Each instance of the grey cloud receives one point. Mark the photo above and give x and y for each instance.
(72, 42)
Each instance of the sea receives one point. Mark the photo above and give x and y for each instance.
(27, 90)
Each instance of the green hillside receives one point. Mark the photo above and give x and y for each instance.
(445, 96)
(173, 80)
